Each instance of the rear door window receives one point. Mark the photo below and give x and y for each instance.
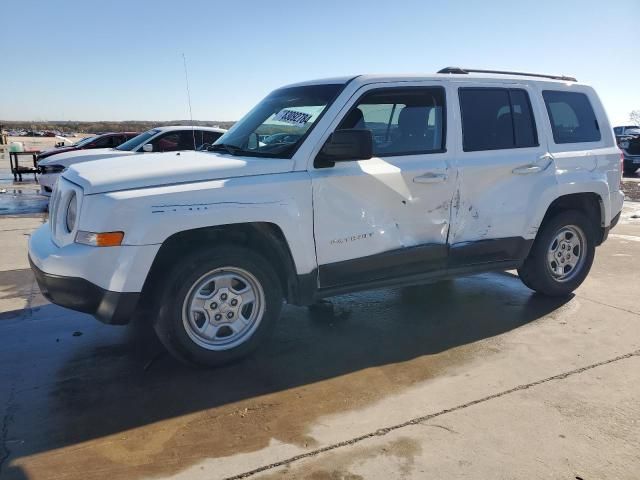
(209, 138)
(496, 118)
(103, 142)
(572, 117)
(167, 142)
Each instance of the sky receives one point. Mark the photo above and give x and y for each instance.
(122, 60)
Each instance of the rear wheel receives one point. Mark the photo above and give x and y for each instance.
(630, 170)
(218, 305)
(561, 256)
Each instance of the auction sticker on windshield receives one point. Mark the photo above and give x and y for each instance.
(297, 119)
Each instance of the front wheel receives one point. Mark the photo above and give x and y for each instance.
(218, 305)
(561, 256)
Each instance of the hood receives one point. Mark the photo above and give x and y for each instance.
(75, 156)
(55, 151)
(157, 169)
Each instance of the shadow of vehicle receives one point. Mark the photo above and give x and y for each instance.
(334, 357)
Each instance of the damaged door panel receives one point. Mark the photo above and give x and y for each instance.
(503, 165)
(372, 216)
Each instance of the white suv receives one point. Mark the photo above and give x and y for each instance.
(159, 139)
(334, 186)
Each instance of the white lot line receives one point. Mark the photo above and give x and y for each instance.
(414, 421)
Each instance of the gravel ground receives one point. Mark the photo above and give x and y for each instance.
(631, 188)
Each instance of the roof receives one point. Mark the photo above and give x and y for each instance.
(417, 77)
(116, 133)
(168, 128)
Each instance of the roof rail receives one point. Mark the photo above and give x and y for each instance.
(459, 70)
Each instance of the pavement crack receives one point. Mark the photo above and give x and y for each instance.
(424, 418)
(435, 425)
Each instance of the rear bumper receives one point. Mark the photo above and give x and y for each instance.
(114, 308)
(631, 160)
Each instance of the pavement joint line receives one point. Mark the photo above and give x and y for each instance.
(419, 420)
(607, 305)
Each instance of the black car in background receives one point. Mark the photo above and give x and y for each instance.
(628, 139)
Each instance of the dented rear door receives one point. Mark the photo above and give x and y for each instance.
(502, 166)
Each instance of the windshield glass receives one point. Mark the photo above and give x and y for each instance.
(84, 141)
(136, 141)
(278, 124)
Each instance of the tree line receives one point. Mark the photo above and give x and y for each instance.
(105, 126)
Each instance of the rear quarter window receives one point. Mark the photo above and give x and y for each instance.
(572, 117)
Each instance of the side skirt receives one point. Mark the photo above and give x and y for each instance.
(417, 279)
(410, 266)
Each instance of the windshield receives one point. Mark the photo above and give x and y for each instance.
(278, 124)
(84, 141)
(136, 141)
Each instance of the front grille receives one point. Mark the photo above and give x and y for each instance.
(54, 205)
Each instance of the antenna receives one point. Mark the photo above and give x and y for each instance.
(186, 77)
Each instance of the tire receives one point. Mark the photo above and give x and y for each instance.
(204, 320)
(629, 170)
(537, 271)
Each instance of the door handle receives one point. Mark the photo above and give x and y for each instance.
(540, 166)
(527, 169)
(430, 177)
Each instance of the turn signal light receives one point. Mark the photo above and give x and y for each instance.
(103, 239)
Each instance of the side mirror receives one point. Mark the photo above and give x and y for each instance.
(147, 147)
(253, 142)
(347, 145)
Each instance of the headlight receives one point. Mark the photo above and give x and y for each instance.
(72, 212)
(52, 168)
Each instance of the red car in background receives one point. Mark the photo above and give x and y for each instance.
(106, 140)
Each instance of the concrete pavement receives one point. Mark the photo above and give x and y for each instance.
(474, 378)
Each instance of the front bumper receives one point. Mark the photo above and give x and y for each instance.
(47, 181)
(104, 281)
(115, 308)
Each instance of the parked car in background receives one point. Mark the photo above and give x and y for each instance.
(393, 180)
(107, 140)
(628, 139)
(628, 130)
(161, 139)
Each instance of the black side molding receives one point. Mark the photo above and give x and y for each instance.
(394, 263)
(487, 251)
(410, 266)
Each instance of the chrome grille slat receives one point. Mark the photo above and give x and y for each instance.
(53, 210)
(57, 211)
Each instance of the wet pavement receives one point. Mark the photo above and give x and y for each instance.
(340, 391)
(18, 198)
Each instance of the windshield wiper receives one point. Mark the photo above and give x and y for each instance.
(219, 147)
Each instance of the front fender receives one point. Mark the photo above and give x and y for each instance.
(149, 216)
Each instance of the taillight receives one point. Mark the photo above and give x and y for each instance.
(621, 168)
